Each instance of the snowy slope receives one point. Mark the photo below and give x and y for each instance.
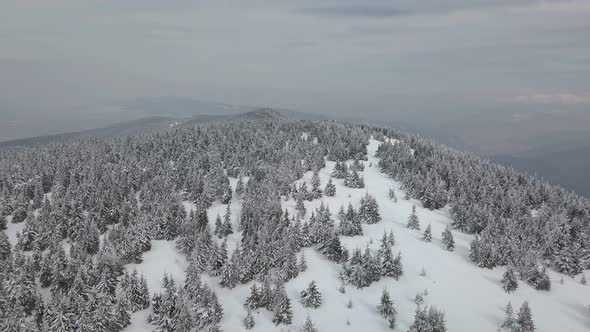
(471, 297)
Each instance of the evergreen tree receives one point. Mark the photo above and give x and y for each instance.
(254, 301)
(427, 237)
(281, 308)
(385, 307)
(303, 263)
(369, 210)
(218, 226)
(582, 280)
(316, 190)
(509, 322)
(249, 321)
(240, 187)
(524, 319)
(509, 280)
(330, 189)
(300, 206)
(392, 195)
(308, 326)
(227, 227)
(311, 297)
(4, 247)
(447, 239)
(413, 221)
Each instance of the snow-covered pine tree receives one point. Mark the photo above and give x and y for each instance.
(218, 226)
(524, 319)
(300, 206)
(316, 190)
(509, 321)
(413, 221)
(447, 239)
(311, 297)
(249, 320)
(281, 307)
(227, 227)
(392, 194)
(308, 326)
(240, 187)
(386, 307)
(330, 189)
(509, 280)
(302, 263)
(427, 236)
(254, 301)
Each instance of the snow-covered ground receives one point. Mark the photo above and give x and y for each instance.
(471, 297)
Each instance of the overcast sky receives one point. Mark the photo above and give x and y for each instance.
(350, 56)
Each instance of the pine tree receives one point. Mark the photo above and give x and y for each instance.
(330, 189)
(300, 206)
(227, 227)
(392, 195)
(308, 326)
(509, 322)
(249, 321)
(509, 280)
(524, 319)
(413, 221)
(254, 301)
(385, 307)
(447, 239)
(427, 237)
(311, 297)
(240, 187)
(391, 238)
(5, 247)
(316, 191)
(122, 317)
(218, 226)
(303, 263)
(583, 279)
(282, 313)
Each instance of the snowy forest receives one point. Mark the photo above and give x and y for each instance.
(255, 210)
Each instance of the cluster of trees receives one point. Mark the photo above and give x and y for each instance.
(273, 298)
(109, 198)
(518, 220)
(365, 268)
(523, 321)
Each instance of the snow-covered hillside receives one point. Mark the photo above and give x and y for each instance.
(471, 297)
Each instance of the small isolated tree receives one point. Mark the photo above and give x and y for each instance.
(427, 237)
(423, 272)
(385, 307)
(413, 221)
(508, 323)
(583, 279)
(524, 320)
(349, 304)
(249, 321)
(311, 297)
(419, 299)
(308, 326)
(509, 280)
(392, 195)
(447, 239)
(330, 189)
